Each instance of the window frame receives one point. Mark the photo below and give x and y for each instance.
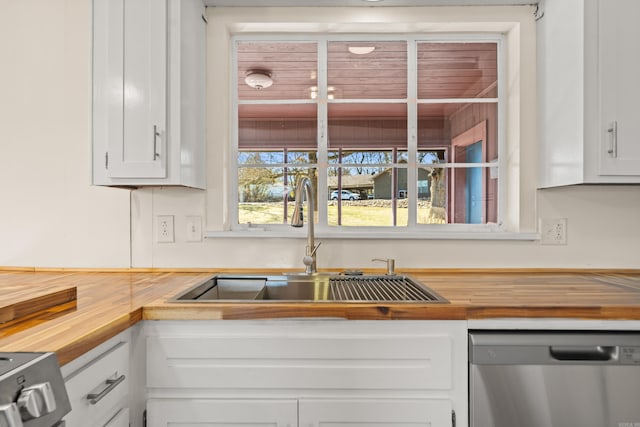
(413, 228)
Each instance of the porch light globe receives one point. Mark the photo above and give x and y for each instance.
(258, 79)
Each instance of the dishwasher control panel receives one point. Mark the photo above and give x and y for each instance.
(630, 355)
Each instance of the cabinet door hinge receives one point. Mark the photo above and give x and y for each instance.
(453, 418)
(106, 160)
(538, 13)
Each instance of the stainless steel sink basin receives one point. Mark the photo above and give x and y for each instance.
(397, 288)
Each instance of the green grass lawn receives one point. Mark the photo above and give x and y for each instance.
(352, 214)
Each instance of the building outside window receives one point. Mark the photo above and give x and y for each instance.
(394, 132)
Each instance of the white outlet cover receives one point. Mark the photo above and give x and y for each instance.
(553, 231)
(164, 229)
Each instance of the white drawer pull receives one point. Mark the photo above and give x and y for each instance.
(94, 398)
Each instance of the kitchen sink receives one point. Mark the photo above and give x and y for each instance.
(318, 287)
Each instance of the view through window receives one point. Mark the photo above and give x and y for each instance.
(393, 133)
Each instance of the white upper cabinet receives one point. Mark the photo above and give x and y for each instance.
(619, 89)
(149, 92)
(588, 63)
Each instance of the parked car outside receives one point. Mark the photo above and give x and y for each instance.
(346, 195)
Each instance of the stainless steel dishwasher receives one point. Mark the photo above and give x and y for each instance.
(532, 379)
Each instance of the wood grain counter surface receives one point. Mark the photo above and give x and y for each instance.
(110, 302)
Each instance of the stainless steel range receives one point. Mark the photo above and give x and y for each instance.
(32, 391)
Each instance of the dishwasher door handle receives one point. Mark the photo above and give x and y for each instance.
(581, 353)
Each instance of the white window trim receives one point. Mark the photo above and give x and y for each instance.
(504, 24)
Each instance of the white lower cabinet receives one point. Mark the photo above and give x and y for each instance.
(303, 413)
(306, 373)
(98, 386)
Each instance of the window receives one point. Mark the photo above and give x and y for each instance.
(397, 132)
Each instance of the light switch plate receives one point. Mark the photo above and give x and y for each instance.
(194, 229)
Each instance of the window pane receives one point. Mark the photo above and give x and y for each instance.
(302, 157)
(457, 195)
(266, 195)
(261, 195)
(363, 157)
(469, 197)
(429, 157)
(367, 126)
(376, 198)
(441, 126)
(260, 157)
(292, 68)
(282, 126)
(433, 195)
(457, 70)
(367, 70)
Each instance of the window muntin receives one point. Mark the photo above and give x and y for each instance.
(366, 133)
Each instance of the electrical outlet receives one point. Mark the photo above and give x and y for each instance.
(164, 229)
(194, 229)
(553, 231)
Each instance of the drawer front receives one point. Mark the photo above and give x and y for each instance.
(382, 357)
(99, 390)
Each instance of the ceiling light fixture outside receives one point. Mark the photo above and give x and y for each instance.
(361, 50)
(258, 79)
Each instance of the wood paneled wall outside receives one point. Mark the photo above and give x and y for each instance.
(467, 118)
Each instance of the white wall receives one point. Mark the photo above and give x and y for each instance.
(603, 232)
(51, 216)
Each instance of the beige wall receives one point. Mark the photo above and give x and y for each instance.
(51, 216)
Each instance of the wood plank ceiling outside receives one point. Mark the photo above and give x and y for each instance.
(445, 70)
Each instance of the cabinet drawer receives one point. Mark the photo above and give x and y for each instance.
(349, 356)
(99, 390)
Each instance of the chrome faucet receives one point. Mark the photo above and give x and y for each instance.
(304, 184)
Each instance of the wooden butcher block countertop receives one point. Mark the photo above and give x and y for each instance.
(90, 307)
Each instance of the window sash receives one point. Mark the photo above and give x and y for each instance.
(412, 148)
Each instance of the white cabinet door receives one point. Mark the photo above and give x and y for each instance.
(376, 412)
(141, 152)
(130, 54)
(588, 114)
(619, 89)
(222, 413)
(149, 92)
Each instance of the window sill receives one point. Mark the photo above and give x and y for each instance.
(377, 235)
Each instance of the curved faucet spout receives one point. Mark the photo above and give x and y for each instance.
(305, 187)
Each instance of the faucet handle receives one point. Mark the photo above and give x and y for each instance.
(391, 265)
(313, 251)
